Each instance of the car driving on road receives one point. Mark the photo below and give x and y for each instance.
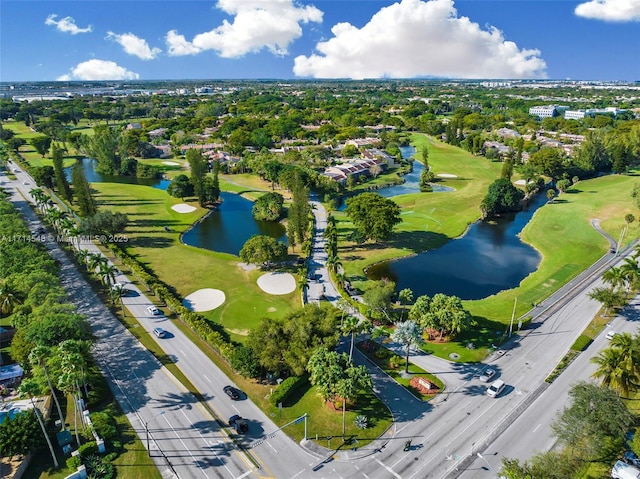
(496, 388)
(161, 333)
(232, 392)
(239, 424)
(153, 310)
(487, 375)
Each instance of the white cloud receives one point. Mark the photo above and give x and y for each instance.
(99, 70)
(134, 45)
(67, 25)
(416, 38)
(610, 10)
(257, 24)
(177, 45)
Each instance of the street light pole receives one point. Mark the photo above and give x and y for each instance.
(488, 463)
(146, 428)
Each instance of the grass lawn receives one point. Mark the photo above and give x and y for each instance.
(429, 219)
(187, 268)
(393, 364)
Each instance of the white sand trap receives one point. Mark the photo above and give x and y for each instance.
(170, 163)
(183, 208)
(277, 283)
(520, 182)
(204, 300)
(446, 175)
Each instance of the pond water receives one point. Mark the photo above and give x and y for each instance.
(225, 229)
(489, 258)
(94, 177)
(230, 226)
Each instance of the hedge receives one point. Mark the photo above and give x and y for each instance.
(287, 387)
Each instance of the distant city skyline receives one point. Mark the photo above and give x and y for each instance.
(350, 39)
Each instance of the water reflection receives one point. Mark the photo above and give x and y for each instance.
(227, 229)
(93, 176)
(489, 258)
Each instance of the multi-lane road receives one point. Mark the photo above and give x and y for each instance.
(187, 438)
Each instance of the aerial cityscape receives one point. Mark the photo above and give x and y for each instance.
(279, 239)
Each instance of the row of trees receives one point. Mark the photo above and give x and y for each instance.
(52, 341)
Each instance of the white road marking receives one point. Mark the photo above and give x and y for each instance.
(183, 353)
(391, 471)
(205, 376)
(537, 427)
(245, 474)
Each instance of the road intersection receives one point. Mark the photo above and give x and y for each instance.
(187, 437)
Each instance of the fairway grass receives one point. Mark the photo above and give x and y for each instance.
(186, 268)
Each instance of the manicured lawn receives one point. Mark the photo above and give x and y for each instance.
(429, 219)
(187, 268)
(393, 364)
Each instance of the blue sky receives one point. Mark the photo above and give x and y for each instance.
(287, 39)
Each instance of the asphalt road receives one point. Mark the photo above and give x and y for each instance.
(446, 435)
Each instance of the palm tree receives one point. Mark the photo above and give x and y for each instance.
(83, 256)
(94, 261)
(38, 356)
(117, 292)
(615, 370)
(351, 325)
(108, 273)
(407, 333)
(379, 333)
(30, 388)
(9, 298)
(631, 273)
(614, 277)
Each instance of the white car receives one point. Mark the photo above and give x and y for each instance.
(487, 375)
(611, 334)
(153, 311)
(161, 333)
(496, 388)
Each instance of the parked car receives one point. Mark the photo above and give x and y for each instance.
(611, 334)
(153, 310)
(622, 470)
(239, 424)
(487, 375)
(161, 333)
(496, 388)
(232, 392)
(630, 457)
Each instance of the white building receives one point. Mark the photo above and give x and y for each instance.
(547, 111)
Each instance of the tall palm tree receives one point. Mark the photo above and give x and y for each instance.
(407, 333)
(29, 387)
(38, 356)
(83, 256)
(351, 326)
(9, 298)
(107, 273)
(615, 370)
(614, 277)
(117, 292)
(94, 261)
(631, 273)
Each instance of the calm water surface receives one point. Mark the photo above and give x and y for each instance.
(94, 177)
(489, 258)
(228, 228)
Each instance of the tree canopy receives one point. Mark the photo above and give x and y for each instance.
(373, 215)
(268, 207)
(262, 250)
(502, 197)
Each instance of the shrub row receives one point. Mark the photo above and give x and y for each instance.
(286, 388)
(198, 323)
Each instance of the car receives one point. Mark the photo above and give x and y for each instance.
(611, 334)
(612, 250)
(239, 424)
(487, 375)
(153, 310)
(622, 470)
(161, 333)
(496, 388)
(232, 392)
(631, 458)
(25, 182)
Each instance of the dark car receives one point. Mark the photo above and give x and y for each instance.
(232, 392)
(239, 424)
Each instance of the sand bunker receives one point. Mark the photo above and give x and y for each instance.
(170, 163)
(204, 300)
(183, 208)
(446, 175)
(277, 283)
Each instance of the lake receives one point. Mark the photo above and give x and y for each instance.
(94, 177)
(489, 258)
